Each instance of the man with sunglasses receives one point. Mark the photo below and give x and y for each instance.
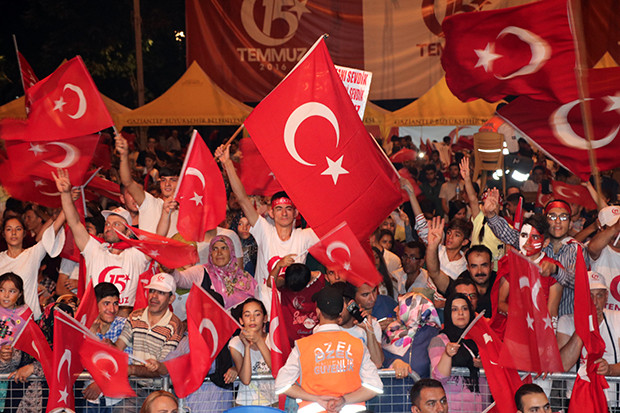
(561, 248)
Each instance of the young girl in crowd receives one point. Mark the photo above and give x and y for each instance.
(251, 354)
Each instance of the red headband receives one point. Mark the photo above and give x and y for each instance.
(281, 201)
(558, 203)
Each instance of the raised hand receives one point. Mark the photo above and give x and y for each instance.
(491, 203)
(435, 232)
(222, 153)
(464, 167)
(62, 180)
(122, 147)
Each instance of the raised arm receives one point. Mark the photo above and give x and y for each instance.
(136, 191)
(163, 226)
(223, 154)
(469, 187)
(435, 235)
(602, 239)
(80, 234)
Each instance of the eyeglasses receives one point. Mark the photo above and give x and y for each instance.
(471, 295)
(411, 257)
(554, 217)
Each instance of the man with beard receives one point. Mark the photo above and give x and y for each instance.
(561, 248)
(107, 261)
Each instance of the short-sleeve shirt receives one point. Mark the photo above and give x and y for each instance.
(151, 342)
(150, 213)
(257, 392)
(608, 265)
(122, 269)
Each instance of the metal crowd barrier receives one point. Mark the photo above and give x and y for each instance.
(394, 399)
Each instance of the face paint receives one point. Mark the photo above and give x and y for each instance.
(530, 241)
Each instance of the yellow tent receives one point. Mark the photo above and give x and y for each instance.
(16, 109)
(193, 100)
(375, 115)
(439, 107)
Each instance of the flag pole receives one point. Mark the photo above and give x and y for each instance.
(584, 104)
(237, 132)
(19, 63)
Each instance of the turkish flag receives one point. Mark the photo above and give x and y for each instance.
(529, 337)
(542, 199)
(88, 311)
(576, 194)
(522, 50)
(29, 188)
(558, 129)
(588, 394)
(65, 104)
(403, 155)
(340, 249)
(503, 381)
(404, 173)
(209, 327)
(41, 158)
(313, 140)
(280, 347)
(29, 79)
(255, 175)
(142, 294)
(102, 187)
(108, 366)
(200, 192)
(168, 252)
(32, 341)
(69, 336)
(518, 218)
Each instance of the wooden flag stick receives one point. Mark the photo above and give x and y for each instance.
(580, 69)
(232, 138)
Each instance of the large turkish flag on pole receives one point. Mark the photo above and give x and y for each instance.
(255, 175)
(529, 337)
(522, 50)
(64, 104)
(200, 192)
(209, 327)
(558, 129)
(32, 341)
(340, 249)
(109, 367)
(313, 140)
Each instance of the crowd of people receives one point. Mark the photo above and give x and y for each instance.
(440, 255)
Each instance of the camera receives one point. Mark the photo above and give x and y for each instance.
(355, 312)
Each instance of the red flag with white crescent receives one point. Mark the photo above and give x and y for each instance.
(340, 249)
(88, 311)
(255, 175)
(29, 79)
(32, 341)
(575, 194)
(108, 366)
(200, 192)
(280, 347)
(511, 51)
(558, 128)
(313, 140)
(209, 328)
(63, 105)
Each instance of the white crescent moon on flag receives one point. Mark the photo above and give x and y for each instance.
(197, 173)
(49, 193)
(335, 245)
(272, 333)
(206, 323)
(34, 346)
(66, 358)
(560, 190)
(82, 100)
(541, 51)
(299, 115)
(535, 291)
(563, 130)
(70, 155)
(105, 356)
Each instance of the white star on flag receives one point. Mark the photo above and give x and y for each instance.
(487, 338)
(58, 104)
(38, 182)
(335, 169)
(547, 321)
(347, 266)
(196, 198)
(486, 57)
(614, 103)
(63, 395)
(142, 237)
(530, 321)
(154, 253)
(37, 149)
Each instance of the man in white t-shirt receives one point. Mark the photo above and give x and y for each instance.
(280, 241)
(150, 208)
(571, 346)
(605, 253)
(105, 262)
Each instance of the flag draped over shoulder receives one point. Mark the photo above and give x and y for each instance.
(313, 140)
(522, 50)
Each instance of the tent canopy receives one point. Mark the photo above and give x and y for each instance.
(439, 107)
(193, 100)
(16, 109)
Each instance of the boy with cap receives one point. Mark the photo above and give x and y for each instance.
(604, 249)
(333, 367)
(110, 261)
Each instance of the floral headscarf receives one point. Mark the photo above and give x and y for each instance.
(234, 284)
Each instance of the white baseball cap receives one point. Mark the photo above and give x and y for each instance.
(121, 212)
(597, 281)
(162, 282)
(609, 215)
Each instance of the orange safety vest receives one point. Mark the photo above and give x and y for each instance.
(330, 365)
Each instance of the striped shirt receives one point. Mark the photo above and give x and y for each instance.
(151, 342)
(566, 255)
